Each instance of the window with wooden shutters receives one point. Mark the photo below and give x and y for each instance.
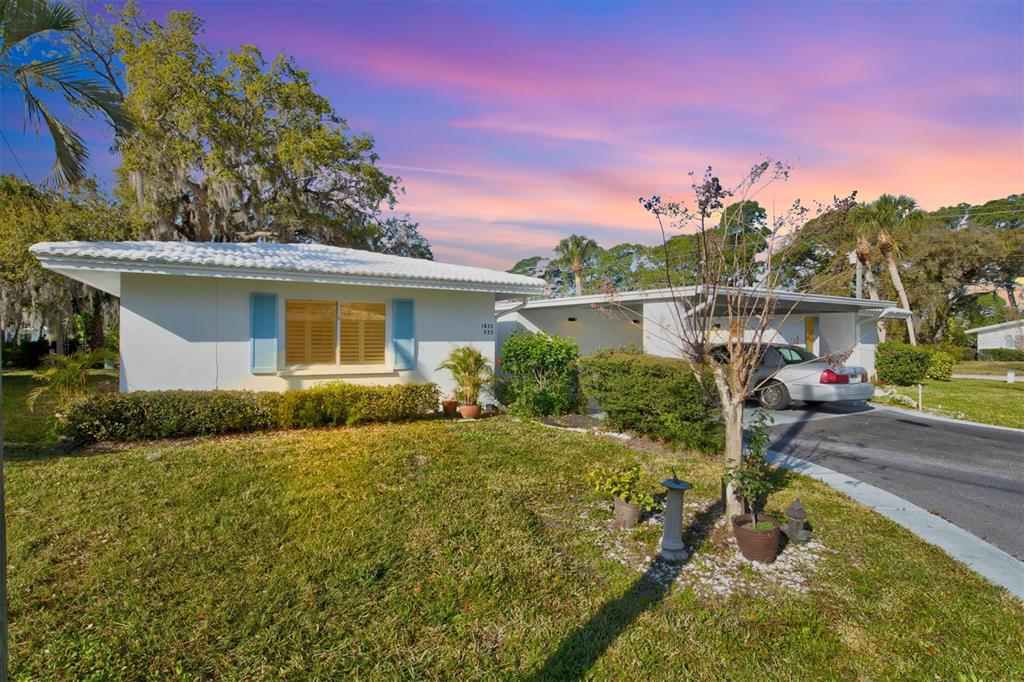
(363, 333)
(310, 332)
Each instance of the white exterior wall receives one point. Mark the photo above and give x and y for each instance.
(1002, 338)
(591, 330)
(193, 332)
(662, 330)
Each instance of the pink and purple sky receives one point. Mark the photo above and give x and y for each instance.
(515, 124)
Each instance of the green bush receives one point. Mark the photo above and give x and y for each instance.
(1001, 354)
(655, 396)
(940, 366)
(142, 415)
(542, 374)
(901, 363)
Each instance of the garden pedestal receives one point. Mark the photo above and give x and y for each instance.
(672, 547)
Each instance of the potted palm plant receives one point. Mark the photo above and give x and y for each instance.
(472, 374)
(624, 485)
(753, 481)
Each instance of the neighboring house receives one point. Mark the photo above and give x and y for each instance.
(1005, 335)
(650, 320)
(278, 316)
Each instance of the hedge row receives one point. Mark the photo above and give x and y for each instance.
(144, 415)
(903, 364)
(1001, 354)
(541, 375)
(652, 395)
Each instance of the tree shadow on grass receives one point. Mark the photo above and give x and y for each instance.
(578, 652)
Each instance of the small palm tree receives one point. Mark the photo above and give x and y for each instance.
(67, 375)
(574, 250)
(470, 371)
(884, 219)
(22, 20)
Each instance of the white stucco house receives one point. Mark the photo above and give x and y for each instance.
(273, 317)
(1009, 335)
(649, 319)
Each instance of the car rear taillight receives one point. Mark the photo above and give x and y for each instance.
(830, 377)
(863, 377)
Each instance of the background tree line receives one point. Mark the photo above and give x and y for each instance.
(954, 268)
(212, 146)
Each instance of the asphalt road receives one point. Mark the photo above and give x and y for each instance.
(969, 475)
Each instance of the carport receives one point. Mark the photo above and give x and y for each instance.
(650, 319)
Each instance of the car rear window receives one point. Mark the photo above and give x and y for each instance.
(794, 356)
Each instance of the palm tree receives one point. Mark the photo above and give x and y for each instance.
(66, 374)
(884, 219)
(863, 252)
(575, 249)
(470, 371)
(20, 22)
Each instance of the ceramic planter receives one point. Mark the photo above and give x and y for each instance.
(450, 407)
(470, 411)
(756, 545)
(627, 515)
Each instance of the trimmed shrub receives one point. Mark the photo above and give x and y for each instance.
(655, 396)
(542, 374)
(901, 363)
(1001, 354)
(337, 404)
(143, 415)
(940, 366)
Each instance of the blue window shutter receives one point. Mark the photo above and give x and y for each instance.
(263, 334)
(403, 333)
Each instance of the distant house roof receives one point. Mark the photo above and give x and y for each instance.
(99, 264)
(998, 327)
(796, 301)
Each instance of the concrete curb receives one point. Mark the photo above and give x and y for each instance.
(981, 377)
(990, 562)
(951, 420)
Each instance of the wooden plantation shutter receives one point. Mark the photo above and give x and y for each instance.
(263, 333)
(363, 330)
(403, 333)
(309, 332)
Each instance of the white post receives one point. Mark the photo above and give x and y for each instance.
(1010, 376)
(672, 547)
(920, 402)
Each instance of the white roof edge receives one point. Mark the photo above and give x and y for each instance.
(279, 263)
(992, 327)
(687, 291)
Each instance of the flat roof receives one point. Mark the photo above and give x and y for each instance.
(996, 327)
(820, 302)
(100, 265)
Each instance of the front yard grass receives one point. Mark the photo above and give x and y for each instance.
(36, 429)
(979, 400)
(446, 550)
(989, 367)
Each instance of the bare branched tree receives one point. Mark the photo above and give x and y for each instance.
(721, 323)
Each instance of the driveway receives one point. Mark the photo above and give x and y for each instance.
(972, 476)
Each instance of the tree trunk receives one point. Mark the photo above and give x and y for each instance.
(897, 281)
(733, 415)
(577, 271)
(1011, 297)
(97, 326)
(864, 256)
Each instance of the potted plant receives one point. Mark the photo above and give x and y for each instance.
(753, 481)
(471, 373)
(624, 485)
(450, 405)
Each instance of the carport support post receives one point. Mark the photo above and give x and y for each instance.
(672, 547)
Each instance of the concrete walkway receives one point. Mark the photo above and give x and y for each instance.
(987, 377)
(989, 561)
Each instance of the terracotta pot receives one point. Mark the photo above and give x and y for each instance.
(756, 545)
(450, 407)
(469, 411)
(627, 515)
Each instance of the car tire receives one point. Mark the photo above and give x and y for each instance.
(774, 396)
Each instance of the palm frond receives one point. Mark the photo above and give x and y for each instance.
(22, 19)
(69, 166)
(65, 74)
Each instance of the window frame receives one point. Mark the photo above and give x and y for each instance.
(335, 368)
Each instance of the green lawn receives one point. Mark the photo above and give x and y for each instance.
(447, 550)
(24, 429)
(988, 367)
(988, 402)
